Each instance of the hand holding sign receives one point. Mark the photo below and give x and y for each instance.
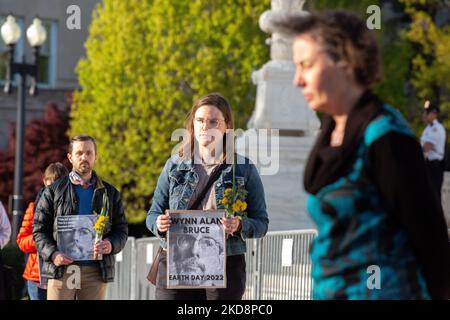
(163, 223)
(60, 259)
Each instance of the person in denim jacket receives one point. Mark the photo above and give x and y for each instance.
(184, 176)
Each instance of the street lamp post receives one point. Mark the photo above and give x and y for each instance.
(36, 35)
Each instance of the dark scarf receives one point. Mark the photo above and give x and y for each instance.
(327, 164)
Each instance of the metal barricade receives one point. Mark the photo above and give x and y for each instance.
(278, 267)
(252, 269)
(285, 267)
(123, 286)
(146, 249)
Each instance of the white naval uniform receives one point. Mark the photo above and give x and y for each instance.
(434, 133)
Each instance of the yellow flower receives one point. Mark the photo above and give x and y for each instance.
(224, 201)
(243, 206)
(237, 206)
(227, 191)
(101, 223)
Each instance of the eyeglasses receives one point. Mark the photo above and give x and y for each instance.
(212, 123)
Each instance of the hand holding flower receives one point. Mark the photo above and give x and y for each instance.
(103, 247)
(231, 224)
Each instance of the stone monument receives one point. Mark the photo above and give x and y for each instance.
(291, 127)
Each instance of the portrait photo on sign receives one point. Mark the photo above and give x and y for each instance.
(196, 249)
(76, 236)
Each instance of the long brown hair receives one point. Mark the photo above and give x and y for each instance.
(211, 99)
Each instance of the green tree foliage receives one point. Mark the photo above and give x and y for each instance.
(147, 61)
(431, 63)
(396, 56)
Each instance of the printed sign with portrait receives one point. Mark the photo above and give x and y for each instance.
(76, 236)
(196, 255)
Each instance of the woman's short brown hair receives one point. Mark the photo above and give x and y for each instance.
(345, 37)
(55, 171)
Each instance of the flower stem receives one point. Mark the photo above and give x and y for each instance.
(234, 171)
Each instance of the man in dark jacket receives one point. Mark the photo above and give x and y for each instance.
(80, 193)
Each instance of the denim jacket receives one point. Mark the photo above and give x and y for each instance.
(177, 183)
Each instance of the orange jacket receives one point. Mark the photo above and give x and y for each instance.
(26, 244)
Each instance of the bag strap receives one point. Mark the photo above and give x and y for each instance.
(212, 178)
(158, 253)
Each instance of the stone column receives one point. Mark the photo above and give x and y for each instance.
(280, 106)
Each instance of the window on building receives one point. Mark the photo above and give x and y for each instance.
(47, 55)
